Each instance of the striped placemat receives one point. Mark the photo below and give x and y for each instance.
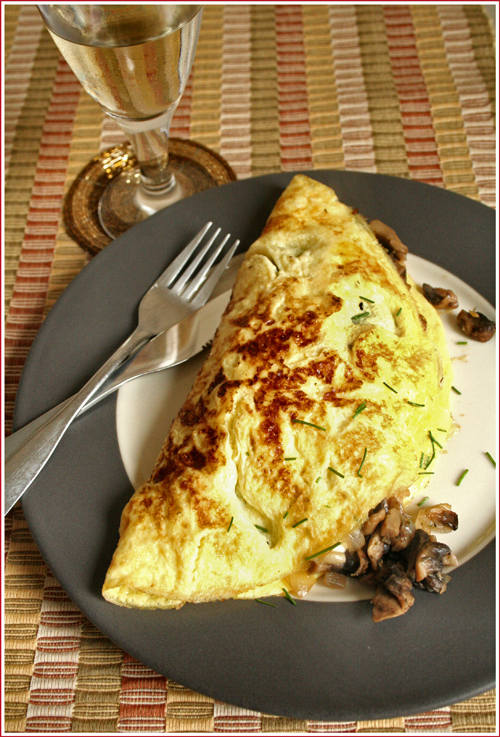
(401, 90)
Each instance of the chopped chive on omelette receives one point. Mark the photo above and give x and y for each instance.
(361, 316)
(433, 440)
(433, 450)
(399, 312)
(291, 459)
(361, 466)
(389, 387)
(320, 552)
(299, 523)
(310, 424)
(337, 473)
(372, 301)
(262, 529)
(360, 409)
(290, 598)
(414, 404)
(230, 524)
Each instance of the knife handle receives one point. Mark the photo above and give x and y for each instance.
(29, 457)
(16, 439)
(132, 370)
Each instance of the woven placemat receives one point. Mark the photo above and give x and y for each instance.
(402, 90)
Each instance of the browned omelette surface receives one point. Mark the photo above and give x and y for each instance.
(268, 462)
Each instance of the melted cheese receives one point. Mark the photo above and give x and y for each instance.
(291, 349)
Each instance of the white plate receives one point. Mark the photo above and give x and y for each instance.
(147, 406)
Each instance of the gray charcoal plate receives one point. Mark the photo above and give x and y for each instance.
(312, 661)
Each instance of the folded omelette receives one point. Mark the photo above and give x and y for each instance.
(327, 382)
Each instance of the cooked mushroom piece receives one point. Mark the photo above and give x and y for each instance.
(363, 563)
(390, 240)
(475, 325)
(372, 522)
(376, 549)
(419, 539)
(439, 518)
(425, 560)
(450, 559)
(435, 582)
(405, 536)
(441, 299)
(352, 562)
(386, 606)
(375, 515)
(389, 528)
(429, 561)
(394, 503)
(400, 586)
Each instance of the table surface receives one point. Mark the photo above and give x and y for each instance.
(401, 90)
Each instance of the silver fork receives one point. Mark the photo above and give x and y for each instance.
(181, 289)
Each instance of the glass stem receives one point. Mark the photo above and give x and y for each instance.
(151, 150)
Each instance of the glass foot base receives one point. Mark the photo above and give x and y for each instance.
(124, 203)
(90, 202)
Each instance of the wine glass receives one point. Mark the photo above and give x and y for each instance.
(134, 60)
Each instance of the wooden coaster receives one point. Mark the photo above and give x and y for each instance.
(204, 167)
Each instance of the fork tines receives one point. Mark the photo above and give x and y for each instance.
(196, 275)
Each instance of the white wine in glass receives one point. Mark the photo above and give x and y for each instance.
(134, 60)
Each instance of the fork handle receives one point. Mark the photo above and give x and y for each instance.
(24, 465)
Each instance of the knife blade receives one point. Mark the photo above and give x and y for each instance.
(170, 348)
(173, 346)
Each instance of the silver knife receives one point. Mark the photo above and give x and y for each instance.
(170, 348)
